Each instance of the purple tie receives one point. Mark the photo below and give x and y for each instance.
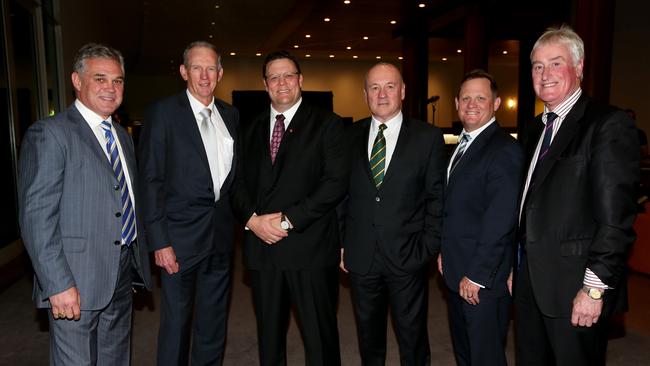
(276, 138)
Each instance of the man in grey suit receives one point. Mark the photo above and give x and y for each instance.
(77, 215)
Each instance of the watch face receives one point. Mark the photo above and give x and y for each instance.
(284, 225)
(595, 294)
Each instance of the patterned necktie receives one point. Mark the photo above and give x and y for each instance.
(546, 143)
(378, 156)
(209, 137)
(276, 138)
(464, 139)
(128, 214)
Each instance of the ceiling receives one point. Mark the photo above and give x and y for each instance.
(154, 32)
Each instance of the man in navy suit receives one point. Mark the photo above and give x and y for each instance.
(478, 231)
(392, 220)
(187, 164)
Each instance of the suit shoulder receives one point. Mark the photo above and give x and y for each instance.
(421, 127)
(223, 104)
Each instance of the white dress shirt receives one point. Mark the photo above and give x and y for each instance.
(391, 133)
(225, 142)
(288, 116)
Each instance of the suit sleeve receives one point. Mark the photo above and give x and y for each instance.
(614, 173)
(40, 186)
(334, 178)
(501, 189)
(434, 194)
(153, 156)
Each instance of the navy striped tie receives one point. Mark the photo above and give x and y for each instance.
(128, 214)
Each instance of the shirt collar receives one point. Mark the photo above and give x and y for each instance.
(197, 106)
(288, 114)
(92, 118)
(392, 124)
(474, 134)
(565, 107)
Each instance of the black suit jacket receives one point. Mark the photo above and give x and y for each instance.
(478, 232)
(306, 182)
(177, 194)
(402, 218)
(580, 211)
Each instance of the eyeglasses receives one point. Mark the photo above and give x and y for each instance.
(289, 77)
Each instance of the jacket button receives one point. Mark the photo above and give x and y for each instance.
(117, 242)
(116, 187)
(377, 199)
(118, 214)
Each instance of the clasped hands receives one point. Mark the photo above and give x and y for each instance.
(267, 227)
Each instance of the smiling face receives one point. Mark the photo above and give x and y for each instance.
(283, 83)
(476, 103)
(202, 73)
(100, 85)
(555, 74)
(384, 92)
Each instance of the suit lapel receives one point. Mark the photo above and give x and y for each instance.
(89, 138)
(473, 151)
(230, 125)
(396, 161)
(187, 125)
(566, 134)
(363, 148)
(302, 114)
(129, 154)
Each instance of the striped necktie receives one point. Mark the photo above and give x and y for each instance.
(128, 214)
(464, 140)
(378, 156)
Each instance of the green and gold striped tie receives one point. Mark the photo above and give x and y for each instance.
(378, 156)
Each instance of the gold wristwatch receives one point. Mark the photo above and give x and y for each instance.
(594, 293)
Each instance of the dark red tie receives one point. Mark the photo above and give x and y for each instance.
(276, 137)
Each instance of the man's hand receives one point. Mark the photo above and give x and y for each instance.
(166, 258)
(586, 310)
(267, 227)
(440, 264)
(342, 264)
(66, 304)
(468, 291)
(509, 282)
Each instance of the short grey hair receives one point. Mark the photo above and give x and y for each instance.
(384, 64)
(186, 52)
(95, 50)
(562, 35)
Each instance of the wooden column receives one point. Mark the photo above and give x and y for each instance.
(415, 71)
(476, 39)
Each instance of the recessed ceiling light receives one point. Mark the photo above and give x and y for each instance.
(213, 23)
(331, 56)
(210, 36)
(400, 58)
(365, 37)
(459, 50)
(258, 54)
(295, 46)
(307, 35)
(233, 53)
(444, 59)
(349, 47)
(422, 5)
(326, 19)
(216, 6)
(307, 55)
(378, 57)
(505, 52)
(393, 22)
(346, 2)
(355, 56)
(171, 61)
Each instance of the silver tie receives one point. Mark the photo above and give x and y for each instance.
(209, 137)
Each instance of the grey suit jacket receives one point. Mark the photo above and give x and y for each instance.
(68, 202)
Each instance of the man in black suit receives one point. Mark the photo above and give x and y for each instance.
(577, 210)
(291, 175)
(392, 220)
(478, 232)
(187, 164)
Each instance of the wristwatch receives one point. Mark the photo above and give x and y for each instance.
(594, 293)
(284, 223)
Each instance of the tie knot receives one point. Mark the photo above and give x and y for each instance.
(382, 127)
(279, 117)
(550, 117)
(465, 137)
(206, 113)
(106, 126)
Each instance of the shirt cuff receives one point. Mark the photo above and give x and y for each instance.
(591, 280)
(477, 284)
(246, 227)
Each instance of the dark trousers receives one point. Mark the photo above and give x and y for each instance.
(201, 291)
(478, 332)
(99, 337)
(542, 340)
(314, 293)
(408, 298)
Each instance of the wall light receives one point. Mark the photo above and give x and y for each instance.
(511, 104)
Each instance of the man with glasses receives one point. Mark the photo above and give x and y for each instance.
(291, 175)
